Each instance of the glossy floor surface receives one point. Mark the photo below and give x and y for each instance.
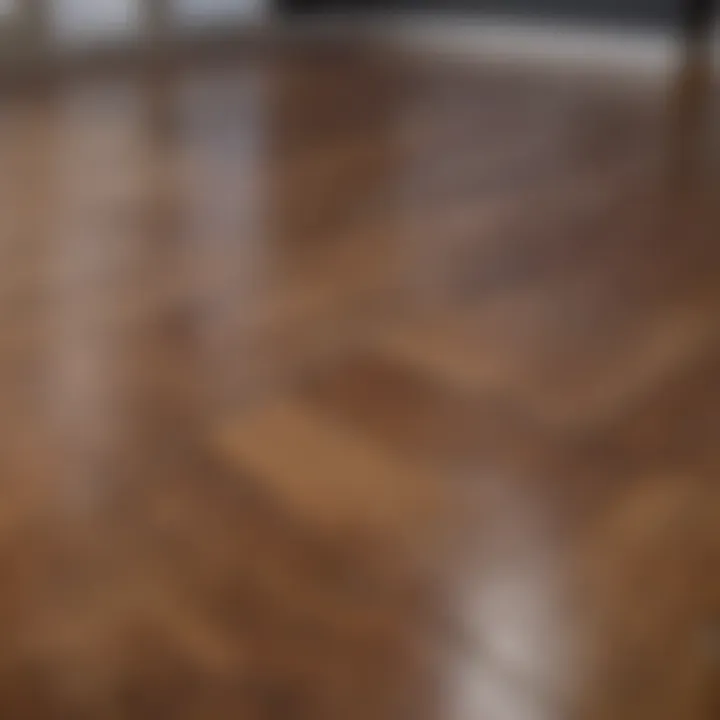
(335, 386)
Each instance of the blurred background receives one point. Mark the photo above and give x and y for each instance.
(29, 27)
(368, 369)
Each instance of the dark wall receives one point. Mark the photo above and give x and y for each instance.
(611, 10)
(642, 12)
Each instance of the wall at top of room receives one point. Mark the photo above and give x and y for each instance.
(625, 12)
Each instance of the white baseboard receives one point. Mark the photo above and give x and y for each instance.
(564, 45)
(567, 46)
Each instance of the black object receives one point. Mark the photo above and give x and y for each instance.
(698, 18)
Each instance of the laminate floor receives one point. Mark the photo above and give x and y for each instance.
(336, 385)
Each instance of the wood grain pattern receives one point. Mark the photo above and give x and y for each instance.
(343, 385)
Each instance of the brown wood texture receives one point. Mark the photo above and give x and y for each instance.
(346, 386)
